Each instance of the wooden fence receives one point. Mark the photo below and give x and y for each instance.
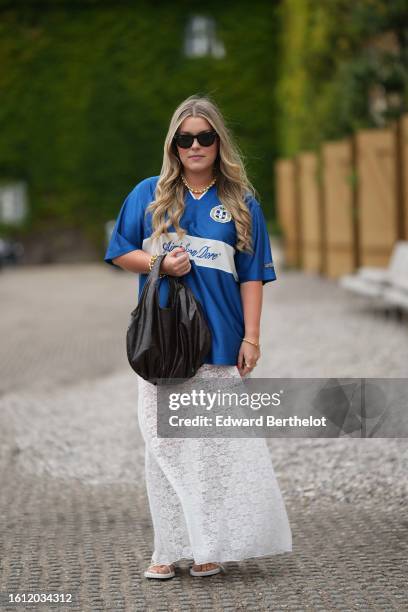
(346, 205)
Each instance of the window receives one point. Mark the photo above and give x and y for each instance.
(201, 38)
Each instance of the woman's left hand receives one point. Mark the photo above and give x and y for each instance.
(247, 358)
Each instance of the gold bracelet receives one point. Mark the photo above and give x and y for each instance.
(151, 264)
(253, 343)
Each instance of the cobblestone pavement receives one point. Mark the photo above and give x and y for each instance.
(73, 509)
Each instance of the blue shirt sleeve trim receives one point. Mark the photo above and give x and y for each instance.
(268, 276)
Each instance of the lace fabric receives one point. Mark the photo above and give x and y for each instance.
(211, 499)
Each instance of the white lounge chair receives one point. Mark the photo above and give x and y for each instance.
(387, 286)
(397, 293)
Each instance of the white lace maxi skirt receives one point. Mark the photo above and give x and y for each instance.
(211, 499)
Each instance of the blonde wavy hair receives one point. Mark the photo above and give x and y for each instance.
(232, 183)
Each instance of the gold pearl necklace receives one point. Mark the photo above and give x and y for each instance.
(198, 191)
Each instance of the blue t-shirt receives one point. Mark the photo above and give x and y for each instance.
(217, 268)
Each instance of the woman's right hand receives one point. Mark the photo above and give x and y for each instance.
(176, 263)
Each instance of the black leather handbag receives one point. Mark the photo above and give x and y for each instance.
(166, 343)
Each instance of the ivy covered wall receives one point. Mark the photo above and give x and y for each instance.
(88, 89)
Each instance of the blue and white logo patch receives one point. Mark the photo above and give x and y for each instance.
(221, 214)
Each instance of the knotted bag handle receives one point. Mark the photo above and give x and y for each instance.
(153, 277)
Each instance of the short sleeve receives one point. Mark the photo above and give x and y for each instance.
(128, 232)
(259, 265)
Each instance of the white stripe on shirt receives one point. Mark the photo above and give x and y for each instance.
(205, 252)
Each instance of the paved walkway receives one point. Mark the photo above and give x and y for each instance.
(73, 508)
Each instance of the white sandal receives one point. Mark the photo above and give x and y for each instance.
(160, 575)
(210, 572)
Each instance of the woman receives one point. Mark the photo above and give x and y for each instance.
(212, 500)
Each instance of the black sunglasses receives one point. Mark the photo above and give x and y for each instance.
(205, 139)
